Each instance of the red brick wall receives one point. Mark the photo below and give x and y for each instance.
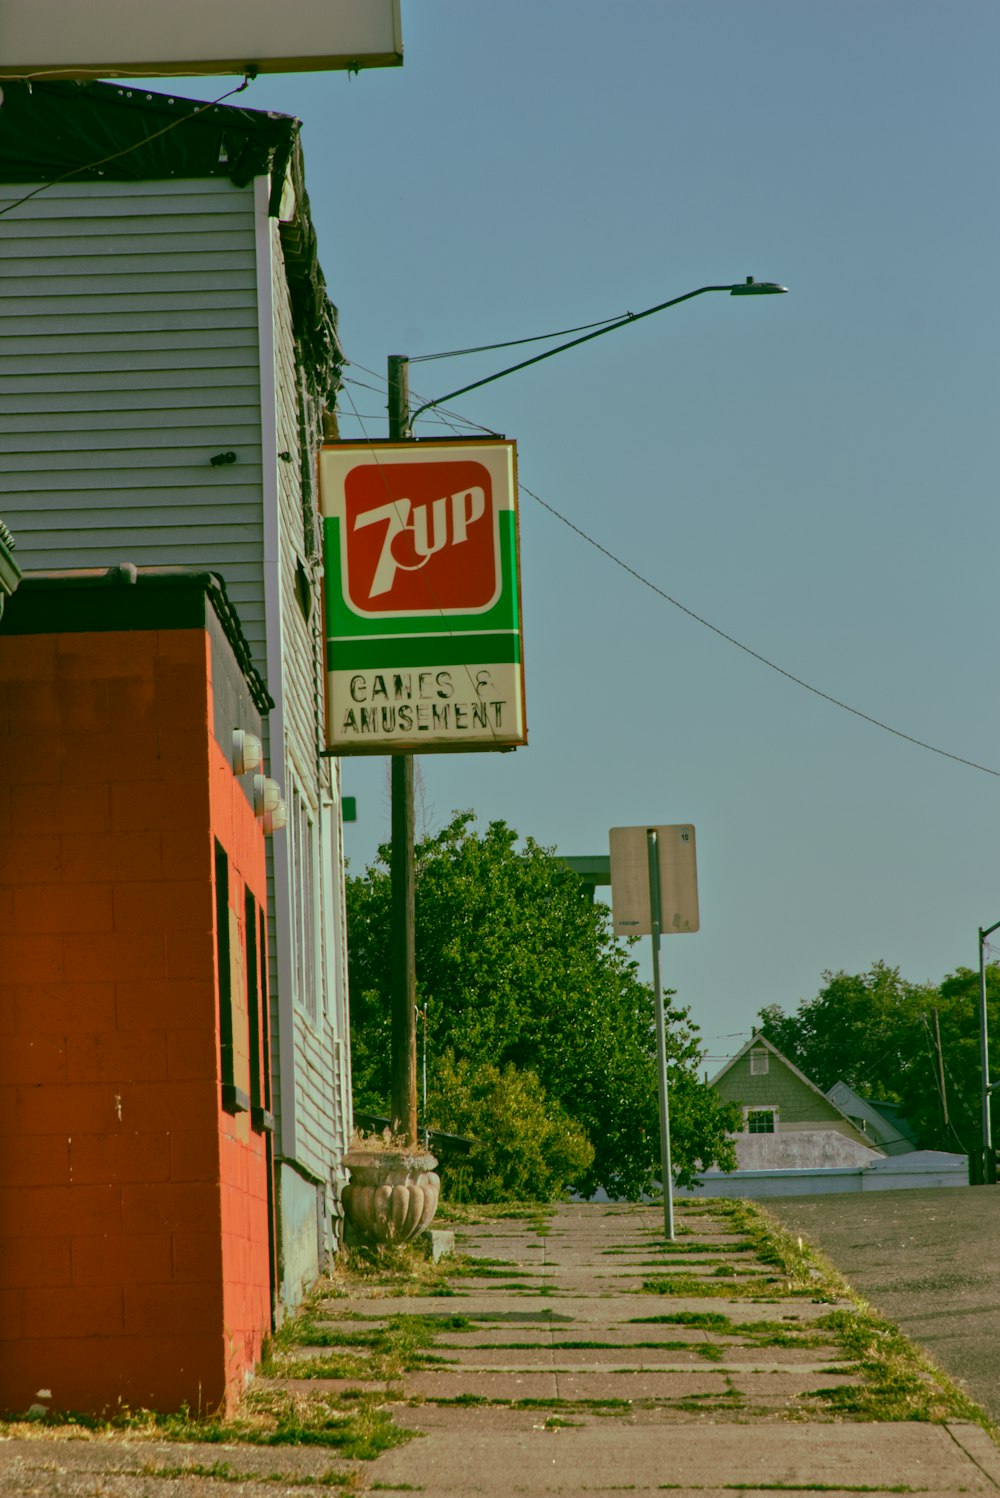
(122, 1277)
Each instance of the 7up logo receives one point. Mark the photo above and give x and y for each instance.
(420, 538)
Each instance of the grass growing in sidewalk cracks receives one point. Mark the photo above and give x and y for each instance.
(347, 1482)
(900, 1383)
(787, 1487)
(357, 1428)
(750, 1334)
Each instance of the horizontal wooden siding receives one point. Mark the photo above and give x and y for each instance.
(128, 359)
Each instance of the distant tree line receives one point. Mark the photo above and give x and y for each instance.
(916, 1044)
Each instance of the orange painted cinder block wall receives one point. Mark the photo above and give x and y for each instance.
(134, 1259)
(244, 1160)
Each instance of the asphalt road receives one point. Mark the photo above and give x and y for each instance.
(928, 1260)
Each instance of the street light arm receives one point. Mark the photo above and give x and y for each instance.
(743, 288)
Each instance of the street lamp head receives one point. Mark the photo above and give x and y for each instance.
(750, 287)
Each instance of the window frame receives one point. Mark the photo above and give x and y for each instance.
(755, 1108)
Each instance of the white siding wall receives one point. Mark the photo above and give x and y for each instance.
(144, 328)
(128, 358)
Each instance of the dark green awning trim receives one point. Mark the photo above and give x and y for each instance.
(48, 130)
(428, 651)
(127, 597)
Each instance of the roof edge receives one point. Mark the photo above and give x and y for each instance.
(35, 585)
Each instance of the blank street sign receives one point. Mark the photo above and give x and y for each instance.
(630, 910)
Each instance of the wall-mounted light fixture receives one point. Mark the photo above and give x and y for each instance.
(268, 803)
(248, 752)
(273, 821)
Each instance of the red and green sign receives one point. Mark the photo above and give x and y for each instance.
(423, 626)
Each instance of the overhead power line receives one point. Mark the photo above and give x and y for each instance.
(756, 655)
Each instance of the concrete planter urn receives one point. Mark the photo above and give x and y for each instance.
(392, 1195)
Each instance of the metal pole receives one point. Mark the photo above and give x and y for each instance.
(402, 872)
(989, 1159)
(661, 1034)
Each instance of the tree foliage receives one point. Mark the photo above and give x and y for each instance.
(879, 1033)
(520, 971)
(527, 1147)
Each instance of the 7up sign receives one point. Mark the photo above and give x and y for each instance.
(423, 635)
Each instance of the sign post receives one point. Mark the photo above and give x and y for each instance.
(654, 888)
(423, 637)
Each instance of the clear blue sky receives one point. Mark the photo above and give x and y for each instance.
(815, 474)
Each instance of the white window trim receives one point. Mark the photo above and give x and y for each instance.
(760, 1108)
(307, 953)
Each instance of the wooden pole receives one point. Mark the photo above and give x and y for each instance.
(402, 873)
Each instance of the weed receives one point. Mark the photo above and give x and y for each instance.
(356, 1427)
(709, 1320)
(223, 1472)
(899, 1382)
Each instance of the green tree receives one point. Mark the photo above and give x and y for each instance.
(879, 1033)
(527, 1148)
(518, 969)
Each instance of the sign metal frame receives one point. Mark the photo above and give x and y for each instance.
(422, 591)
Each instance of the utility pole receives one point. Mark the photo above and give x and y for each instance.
(402, 872)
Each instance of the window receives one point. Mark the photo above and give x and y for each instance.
(762, 1120)
(758, 1063)
(233, 1037)
(261, 1116)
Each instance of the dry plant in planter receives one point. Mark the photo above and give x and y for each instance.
(393, 1190)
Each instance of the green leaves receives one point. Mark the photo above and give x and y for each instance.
(879, 1033)
(527, 1147)
(526, 987)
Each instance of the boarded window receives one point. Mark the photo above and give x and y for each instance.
(758, 1063)
(260, 1082)
(234, 1039)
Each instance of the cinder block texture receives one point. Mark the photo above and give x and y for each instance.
(135, 1257)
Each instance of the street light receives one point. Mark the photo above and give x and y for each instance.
(749, 287)
(402, 872)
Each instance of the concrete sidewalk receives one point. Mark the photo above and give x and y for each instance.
(583, 1361)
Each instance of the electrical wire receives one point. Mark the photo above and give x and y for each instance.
(486, 348)
(92, 166)
(443, 413)
(707, 624)
(755, 654)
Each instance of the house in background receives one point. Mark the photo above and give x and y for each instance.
(788, 1123)
(169, 352)
(882, 1123)
(797, 1141)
